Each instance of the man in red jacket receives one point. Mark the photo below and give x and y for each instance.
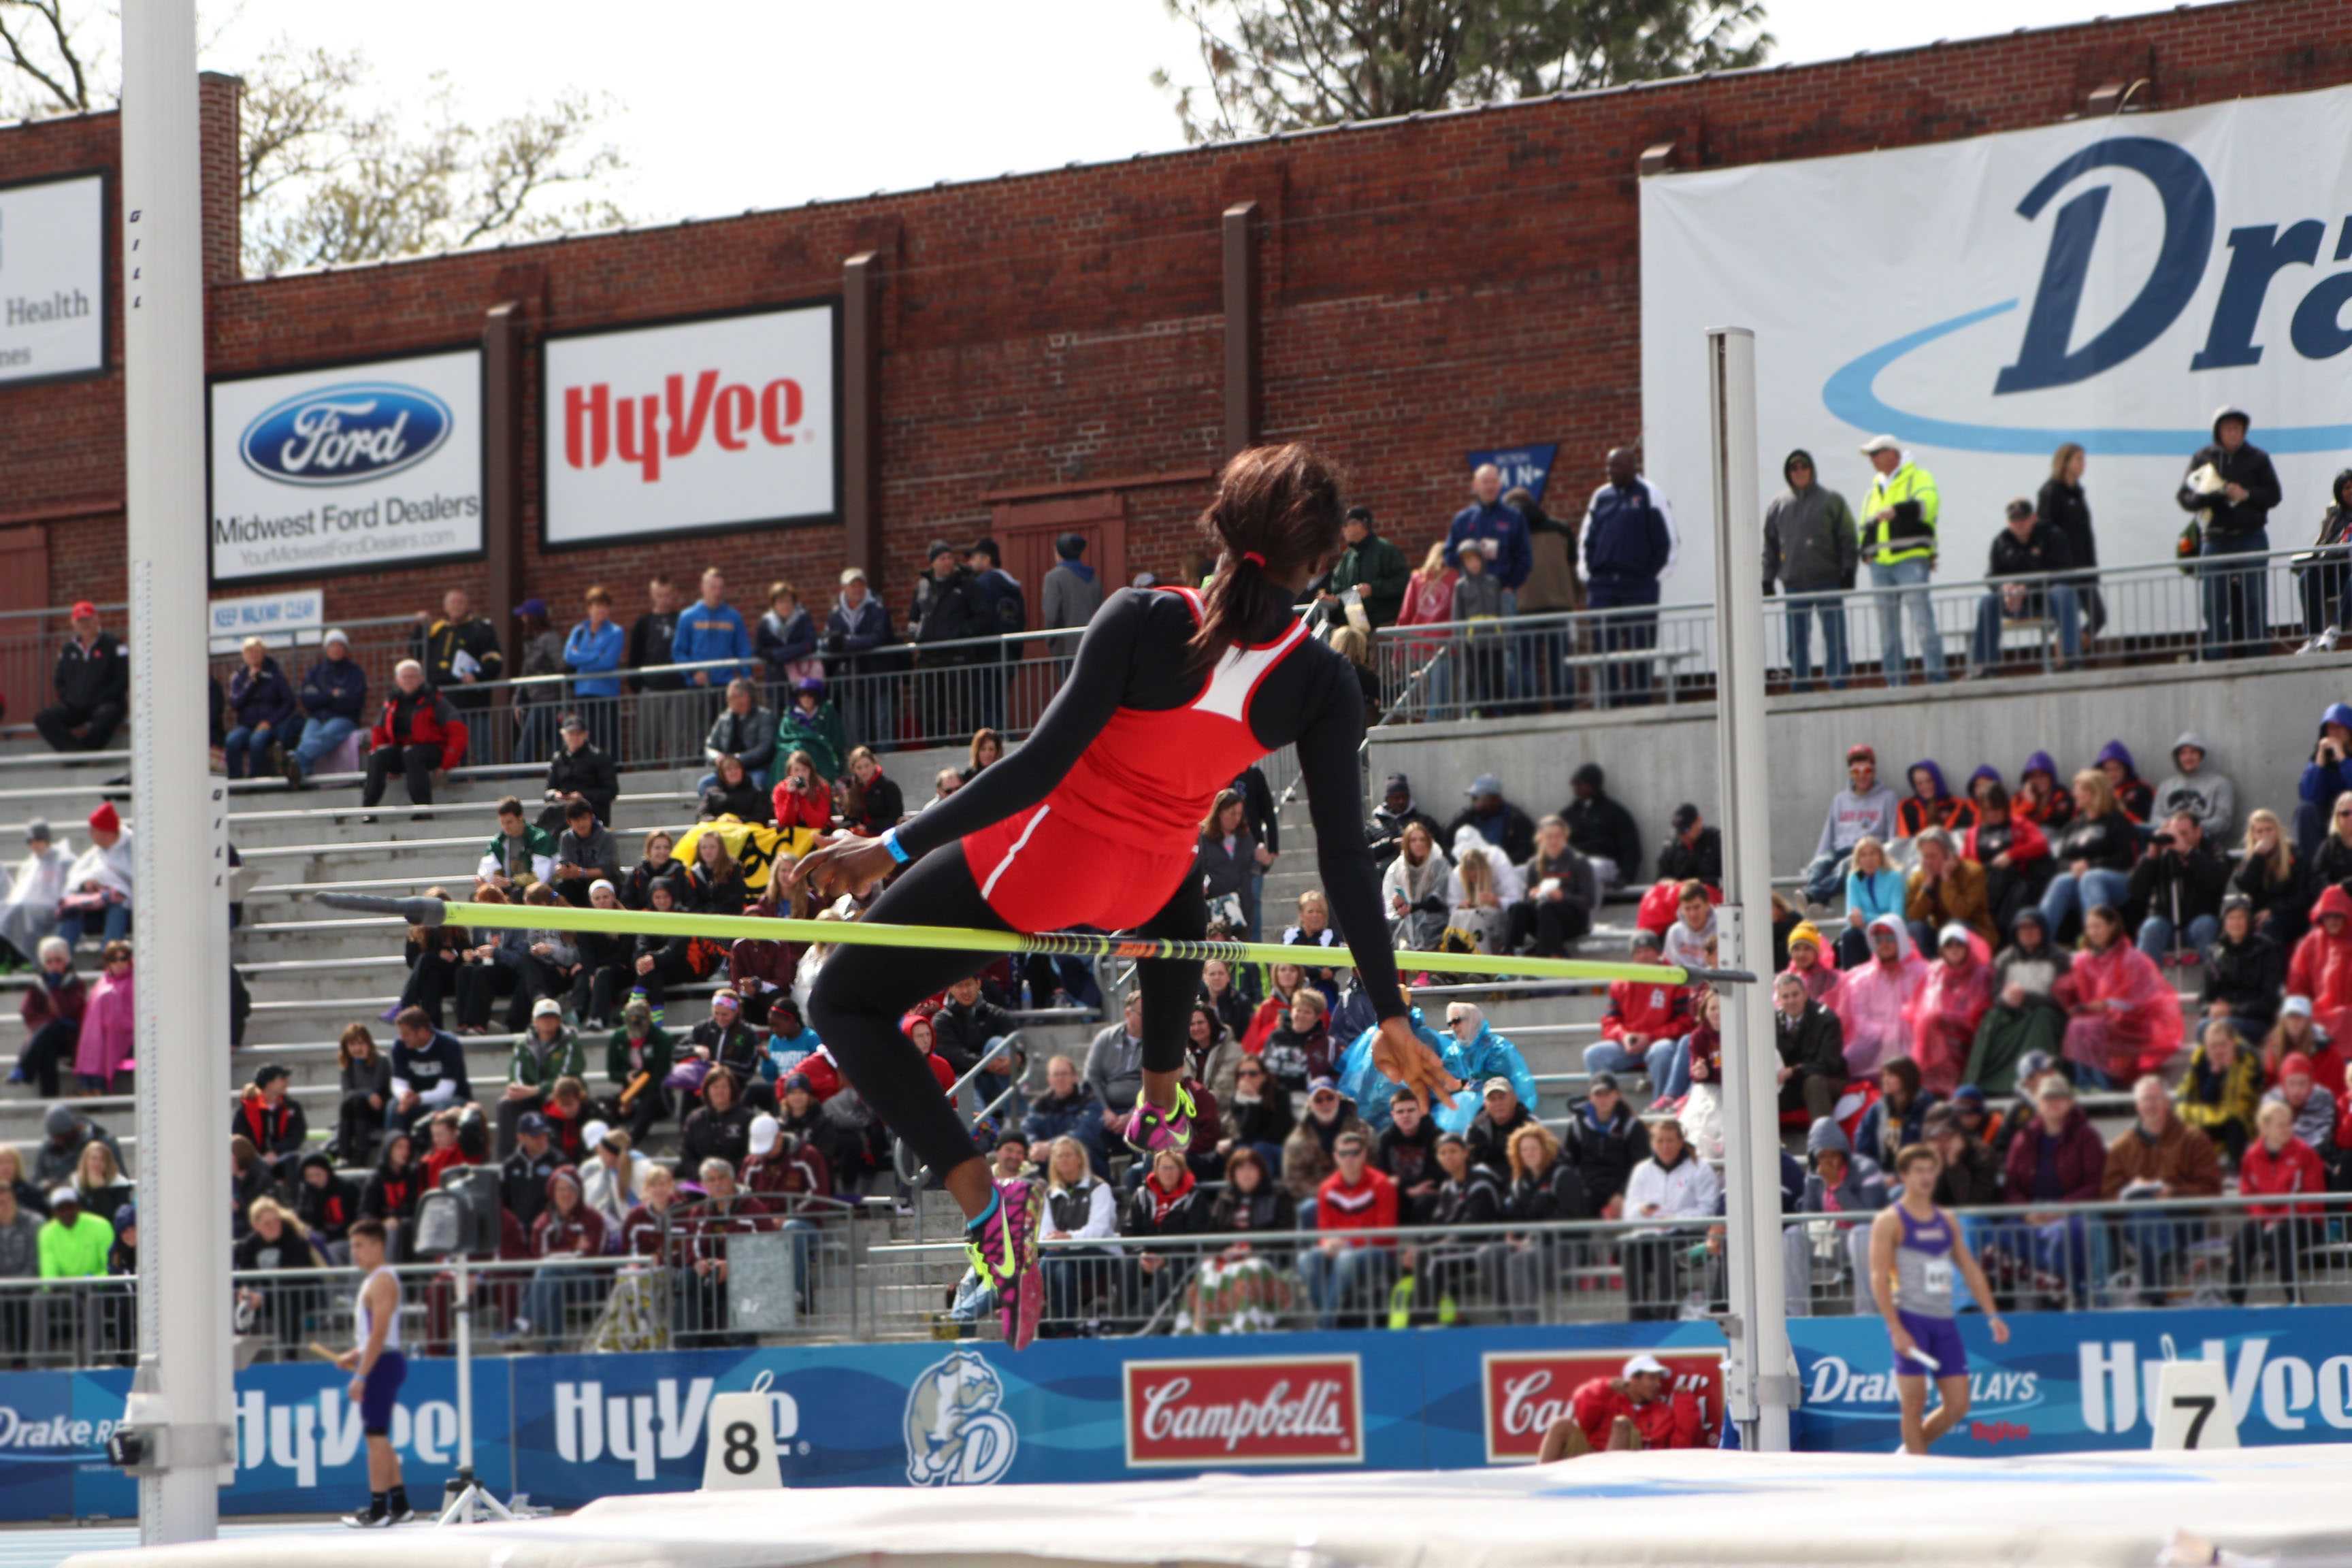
(2059, 1160)
(1356, 1197)
(418, 733)
(1641, 1022)
(1639, 1408)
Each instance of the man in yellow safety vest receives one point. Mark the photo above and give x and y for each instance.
(1898, 540)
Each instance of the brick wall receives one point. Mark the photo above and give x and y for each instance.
(1429, 287)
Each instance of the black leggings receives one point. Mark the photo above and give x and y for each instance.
(862, 991)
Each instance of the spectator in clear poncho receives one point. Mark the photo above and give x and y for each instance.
(1873, 998)
(30, 911)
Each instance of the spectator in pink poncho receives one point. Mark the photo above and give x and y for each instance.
(2123, 1017)
(109, 1024)
(1810, 961)
(1955, 998)
(1874, 999)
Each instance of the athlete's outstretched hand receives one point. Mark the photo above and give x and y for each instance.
(848, 865)
(1401, 1056)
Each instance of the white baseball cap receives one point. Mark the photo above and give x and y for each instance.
(1636, 1366)
(1881, 444)
(546, 1008)
(765, 1130)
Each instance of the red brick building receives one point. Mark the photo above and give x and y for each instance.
(1084, 345)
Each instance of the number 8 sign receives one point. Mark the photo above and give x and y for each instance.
(745, 1436)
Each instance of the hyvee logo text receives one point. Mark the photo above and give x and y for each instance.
(639, 1429)
(324, 1431)
(647, 428)
(336, 434)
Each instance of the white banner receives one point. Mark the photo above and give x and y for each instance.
(723, 422)
(347, 469)
(2108, 281)
(296, 618)
(53, 279)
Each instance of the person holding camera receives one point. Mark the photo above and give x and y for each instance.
(800, 798)
(2178, 887)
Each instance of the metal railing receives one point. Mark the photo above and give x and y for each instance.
(2155, 1254)
(812, 1275)
(2217, 607)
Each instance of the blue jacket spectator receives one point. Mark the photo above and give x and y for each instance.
(710, 628)
(1484, 1054)
(334, 703)
(2329, 771)
(1069, 1107)
(1369, 1088)
(1628, 535)
(335, 687)
(787, 634)
(1489, 519)
(261, 696)
(596, 647)
(860, 627)
(260, 711)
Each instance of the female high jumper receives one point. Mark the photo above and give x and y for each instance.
(1094, 821)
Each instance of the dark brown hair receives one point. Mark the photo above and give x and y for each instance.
(1277, 507)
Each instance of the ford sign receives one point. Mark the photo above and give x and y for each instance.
(336, 434)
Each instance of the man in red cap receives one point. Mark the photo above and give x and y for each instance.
(1864, 809)
(93, 683)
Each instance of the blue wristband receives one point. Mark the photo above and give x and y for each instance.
(890, 842)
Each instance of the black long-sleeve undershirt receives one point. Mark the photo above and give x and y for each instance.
(1134, 655)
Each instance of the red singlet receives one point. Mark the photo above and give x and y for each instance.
(1114, 840)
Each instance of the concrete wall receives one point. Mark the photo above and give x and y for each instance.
(2257, 716)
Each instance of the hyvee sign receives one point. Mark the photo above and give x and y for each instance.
(2110, 281)
(726, 422)
(53, 279)
(348, 468)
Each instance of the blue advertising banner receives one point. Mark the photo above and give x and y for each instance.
(960, 1414)
(1526, 467)
(2077, 1382)
(299, 1447)
(569, 1429)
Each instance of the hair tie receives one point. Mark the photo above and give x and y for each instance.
(1255, 559)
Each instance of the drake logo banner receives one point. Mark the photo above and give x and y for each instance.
(2111, 281)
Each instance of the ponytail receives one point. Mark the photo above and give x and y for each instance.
(1276, 508)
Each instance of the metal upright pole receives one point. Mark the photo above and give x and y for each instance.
(1760, 1385)
(183, 1017)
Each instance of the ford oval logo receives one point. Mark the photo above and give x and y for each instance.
(335, 434)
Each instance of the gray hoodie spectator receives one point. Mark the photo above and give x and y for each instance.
(20, 1240)
(1810, 542)
(1859, 1186)
(1073, 590)
(1115, 1059)
(2193, 787)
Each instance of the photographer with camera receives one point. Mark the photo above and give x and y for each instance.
(2177, 889)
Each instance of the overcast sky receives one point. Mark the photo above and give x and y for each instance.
(722, 105)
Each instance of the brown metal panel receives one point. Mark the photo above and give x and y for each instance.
(502, 416)
(1242, 383)
(861, 414)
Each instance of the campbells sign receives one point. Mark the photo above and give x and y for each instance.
(686, 426)
(1272, 1411)
(1526, 1391)
(346, 468)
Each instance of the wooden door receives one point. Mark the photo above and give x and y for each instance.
(1026, 531)
(28, 643)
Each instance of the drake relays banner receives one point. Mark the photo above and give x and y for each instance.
(2110, 281)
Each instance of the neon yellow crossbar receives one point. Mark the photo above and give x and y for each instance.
(1060, 944)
